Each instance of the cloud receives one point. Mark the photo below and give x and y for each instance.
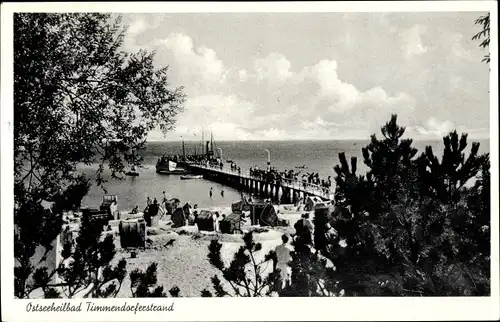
(270, 97)
(434, 128)
(272, 101)
(197, 67)
(413, 42)
(457, 48)
(274, 67)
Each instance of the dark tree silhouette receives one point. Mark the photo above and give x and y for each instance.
(244, 274)
(143, 284)
(411, 226)
(77, 99)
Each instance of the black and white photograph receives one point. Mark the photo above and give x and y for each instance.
(280, 154)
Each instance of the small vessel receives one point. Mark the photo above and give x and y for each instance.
(191, 176)
(229, 161)
(301, 167)
(166, 166)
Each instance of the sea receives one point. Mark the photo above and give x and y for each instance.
(319, 157)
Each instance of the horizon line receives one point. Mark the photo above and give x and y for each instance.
(302, 140)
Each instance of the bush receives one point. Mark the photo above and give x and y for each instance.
(244, 273)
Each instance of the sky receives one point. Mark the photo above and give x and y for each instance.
(305, 76)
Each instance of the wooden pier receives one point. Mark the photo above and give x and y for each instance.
(284, 190)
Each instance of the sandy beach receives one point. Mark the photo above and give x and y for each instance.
(185, 262)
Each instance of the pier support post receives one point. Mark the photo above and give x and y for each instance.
(279, 192)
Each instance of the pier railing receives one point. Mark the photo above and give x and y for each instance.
(315, 189)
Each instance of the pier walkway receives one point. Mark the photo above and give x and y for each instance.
(283, 189)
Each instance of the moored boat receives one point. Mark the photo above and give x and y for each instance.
(166, 166)
(190, 177)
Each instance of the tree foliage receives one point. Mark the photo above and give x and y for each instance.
(410, 224)
(89, 264)
(245, 274)
(484, 22)
(414, 225)
(312, 274)
(78, 98)
(143, 284)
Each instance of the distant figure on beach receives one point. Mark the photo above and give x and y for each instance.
(164, 200)
(307, 229)
(303, 229)
(152, 211)
(215, 219)
(211, 192)
(282, 259)
(332, 236)
(113, 209)
(299, 226)
(222, 193)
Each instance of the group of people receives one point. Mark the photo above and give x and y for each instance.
(304, 231)
(275, 176)
(210, 162)
(235, 167)
(211, 192)
(152, 209)
(313, 178)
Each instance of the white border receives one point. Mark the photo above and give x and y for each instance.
(298, 309)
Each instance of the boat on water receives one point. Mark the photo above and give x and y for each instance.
(191, 177)
(301, 167)
(178, 164)
(166, 166)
